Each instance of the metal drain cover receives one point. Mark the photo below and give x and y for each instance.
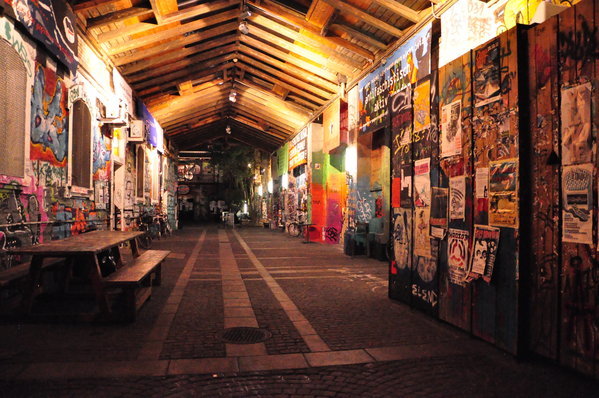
(245, 335)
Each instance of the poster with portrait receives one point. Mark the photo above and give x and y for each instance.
(482, 182)
(503, 197)
(451, 129)
(576, 124)
(484, 250)
(402, 234)
(457, 255)
(457, 198)
(422, 183)
(577, 213)
(487, 79)
(422, 241)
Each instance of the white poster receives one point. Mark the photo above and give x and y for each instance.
(451, 129)
(457, 255)
(482, 182)
(422, 183)
(577, 213)
(576, 124)
(457, 198)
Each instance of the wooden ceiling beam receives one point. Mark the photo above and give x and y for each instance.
(308, 54)
(317, 43)
(284, 108)
(176, 16)
(176, 44)
(262, 93)
(191, 95)
(248, 110)
(175, 56)
(163, 7)
(91, 4)
(118, 16)
(171, 32)
(248, 122)
(286, 16)
(289, 68)
(289, 75)
(288, 58)
(344, 29)
(204, 58)
(188, 73)
(300, 89)
(400, 9)
(345, 7)
(181, 110)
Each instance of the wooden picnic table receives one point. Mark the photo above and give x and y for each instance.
(83, 248)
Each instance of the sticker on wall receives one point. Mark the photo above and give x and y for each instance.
(402, 228)
(457, 198)
(484, 251)
(406, 186)
(439, 212)
(422, 183)
(422, 241)
(487, 80)
(451, 129)
(576, 124)
(457, 255)
(503, 203)
(422, 105)
(577, 185)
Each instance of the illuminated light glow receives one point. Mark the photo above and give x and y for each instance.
(269, 186)
(351, 160)
(260, 190)
(285, 181)
(245, 207)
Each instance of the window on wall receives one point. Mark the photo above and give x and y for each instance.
(13, 103)
(140, 168)
(81, 147)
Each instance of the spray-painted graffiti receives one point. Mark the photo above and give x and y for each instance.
(101, 156)
(49, 122)
(25, 51)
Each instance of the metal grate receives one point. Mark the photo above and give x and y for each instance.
(13, 94)
(245, 335)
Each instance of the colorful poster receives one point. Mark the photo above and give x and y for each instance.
(400, 109)
(503, 202)
(457, 198)
(396, 192)
(406, 186)
(422, 183)
(298, 153)
(482, 182)
(439, 211)
(422, 105)
(49, 118)
(487, 79)
(402, 231)
(576, 124)
(457, 255)
(407, 65)
(451, 129)
(283, 160)
(422, 241)
(577, 213)
(484, 250)
(51, 22)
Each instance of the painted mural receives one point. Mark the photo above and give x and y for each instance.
(49, 118)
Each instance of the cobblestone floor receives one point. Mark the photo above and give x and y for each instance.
(334, 333)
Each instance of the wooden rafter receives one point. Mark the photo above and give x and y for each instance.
(400, 9)
(118, 16)
(345, 7)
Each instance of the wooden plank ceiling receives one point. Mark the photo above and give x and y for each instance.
(199, 71)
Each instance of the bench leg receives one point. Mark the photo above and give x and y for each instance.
(130, 304)
(157, 281)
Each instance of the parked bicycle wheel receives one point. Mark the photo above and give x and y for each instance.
(294, 229)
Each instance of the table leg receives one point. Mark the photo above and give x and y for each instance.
(35, 272)
(95, 276)
(134, 247)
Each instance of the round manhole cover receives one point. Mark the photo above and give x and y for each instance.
(245, 335)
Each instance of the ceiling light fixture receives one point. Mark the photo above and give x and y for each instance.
(233, 96)
(228, 130)
(246, 13)
(243, 27)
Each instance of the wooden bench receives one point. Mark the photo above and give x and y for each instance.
(136, 279)
(21, 271)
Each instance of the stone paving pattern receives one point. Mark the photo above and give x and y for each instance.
(380, 348)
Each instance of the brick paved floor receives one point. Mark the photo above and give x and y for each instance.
(334, 333)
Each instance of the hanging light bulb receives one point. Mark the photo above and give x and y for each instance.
(243, 27)
(228, 130)
(233, 96)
